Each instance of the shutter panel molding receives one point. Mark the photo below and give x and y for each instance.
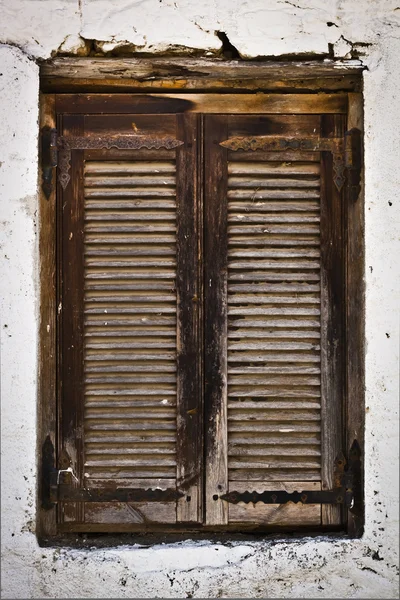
(129, 324)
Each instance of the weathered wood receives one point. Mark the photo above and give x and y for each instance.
(333, 335)
(145, 484)
(261, 400)
(116, 403)
(215, 319)
(291, 169)
(133, 358)
(355, 307)
(136, 104)
(174, 73)
(279, 514)
(189, 338)
(273, 391)
(129, 512)
(275, 474)
(225, 532)
(124, 124)
(270, 451)
(47, 335)
(71, 325)
(276, 125)
(276, 333)
(276, 358)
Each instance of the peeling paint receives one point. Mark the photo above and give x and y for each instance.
(255, 29)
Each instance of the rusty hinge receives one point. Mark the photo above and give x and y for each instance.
(130, 141)
(63, 492)
(61, 485)
(56, 150)
(345, 492)
(346, 152)
(49, 474)
(64, 487)
(49, 157)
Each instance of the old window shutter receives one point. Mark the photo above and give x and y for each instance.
(274, 302)
(145, 296)
(130, 403)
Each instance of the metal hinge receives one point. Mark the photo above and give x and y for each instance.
(65, 492)
(346, 491)
(56, 150)
(49, 158)
(61, 485)
(346, 152)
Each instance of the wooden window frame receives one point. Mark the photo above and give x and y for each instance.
(208, 81)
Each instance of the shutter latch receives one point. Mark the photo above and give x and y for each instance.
(49, 158)
(347, 490)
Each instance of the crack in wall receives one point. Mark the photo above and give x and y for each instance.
(20, 48)
(296, 5)
(228, 50)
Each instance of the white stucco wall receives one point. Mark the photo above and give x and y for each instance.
(366, 568)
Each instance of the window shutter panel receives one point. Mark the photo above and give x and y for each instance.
(274, 422)
(130, 389)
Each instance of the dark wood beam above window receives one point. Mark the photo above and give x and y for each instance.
(197, 74)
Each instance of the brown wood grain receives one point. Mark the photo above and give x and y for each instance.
(341, 228)
(71, 323)
(215, 319)
(275, 514)
(134, 124)
(355, 304)
(274, 417)
(202, 103)
(197, 74)
(189, 342)
(273, 124)
(47, 333)
(141, 513)
(333, 336)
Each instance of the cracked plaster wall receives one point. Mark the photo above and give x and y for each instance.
(255, 27)
(32, 29)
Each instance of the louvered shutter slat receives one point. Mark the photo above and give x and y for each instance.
(248, 392)
(120, 394)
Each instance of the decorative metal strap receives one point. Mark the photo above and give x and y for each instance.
(66, 144)
(68, 493)
(342, 493)
(269, 143)
(335, 496)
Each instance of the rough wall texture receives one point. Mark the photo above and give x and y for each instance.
(31, 29)
(256, 28)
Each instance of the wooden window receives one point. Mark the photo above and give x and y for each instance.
(207, 335)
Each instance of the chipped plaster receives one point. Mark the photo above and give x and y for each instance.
(155, 26)
(319, 567)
